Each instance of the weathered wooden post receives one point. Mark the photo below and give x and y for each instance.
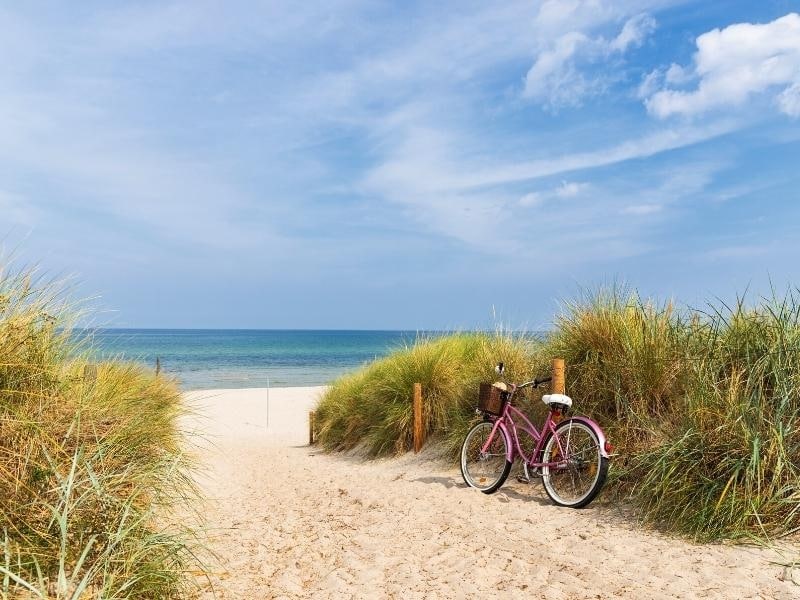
(90, 372)
(419, 430)
(311, 424)
(158, 365)
(558, 386)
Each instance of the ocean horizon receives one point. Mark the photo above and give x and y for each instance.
(247, 358)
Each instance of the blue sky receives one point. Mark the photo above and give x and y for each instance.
(348, 164)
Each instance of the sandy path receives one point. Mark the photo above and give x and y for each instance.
(290, 522)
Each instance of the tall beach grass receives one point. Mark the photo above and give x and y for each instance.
(371, 408)
(91, 463)
(730, 465)
(702, 405)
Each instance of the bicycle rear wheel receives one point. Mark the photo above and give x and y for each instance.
(488, 470)
(580, 472)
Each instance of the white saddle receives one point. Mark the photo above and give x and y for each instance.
(557, 399)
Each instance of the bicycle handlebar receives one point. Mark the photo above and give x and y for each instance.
(535, 383)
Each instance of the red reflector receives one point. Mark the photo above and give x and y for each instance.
(608, 447)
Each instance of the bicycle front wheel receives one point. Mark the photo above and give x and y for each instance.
(487, 469)
(580, 469)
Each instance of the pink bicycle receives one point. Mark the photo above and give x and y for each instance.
(569, 454)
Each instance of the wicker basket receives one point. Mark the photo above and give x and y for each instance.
(492, 400)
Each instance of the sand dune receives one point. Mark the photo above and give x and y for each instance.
(288, 521)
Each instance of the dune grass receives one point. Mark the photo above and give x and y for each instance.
(371, 407)
(703, 406)
(626, 362)
(731, 464)
(91, 465)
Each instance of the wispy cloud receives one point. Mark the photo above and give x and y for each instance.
(634, 33)
(450, 196)
(431, 157)
(561, 75)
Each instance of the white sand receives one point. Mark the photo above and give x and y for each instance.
(288, 521)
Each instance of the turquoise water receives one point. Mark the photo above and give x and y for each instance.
(203, 359)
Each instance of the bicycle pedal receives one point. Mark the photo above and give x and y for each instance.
(523, 479)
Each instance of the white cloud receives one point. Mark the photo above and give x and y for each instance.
(558, 77)
(633, 33)
(734, 64)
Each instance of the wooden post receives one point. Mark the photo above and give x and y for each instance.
(419, 430)
(311, 424)
(90, 372)
(158, 365)
(558, 386)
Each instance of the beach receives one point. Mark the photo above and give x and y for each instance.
(286, 520)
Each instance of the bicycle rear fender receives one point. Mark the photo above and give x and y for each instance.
(598, 431)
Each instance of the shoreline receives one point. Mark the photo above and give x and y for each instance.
(259, 388)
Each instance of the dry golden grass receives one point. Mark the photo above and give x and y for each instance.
(90, 467)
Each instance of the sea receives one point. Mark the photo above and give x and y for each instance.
(237, 358)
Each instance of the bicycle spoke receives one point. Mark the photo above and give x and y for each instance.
(487, 469)
(574, 464)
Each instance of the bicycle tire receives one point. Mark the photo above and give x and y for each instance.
(583, 458)
(485, 472)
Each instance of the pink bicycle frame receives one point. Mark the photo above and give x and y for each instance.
(514, 449)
